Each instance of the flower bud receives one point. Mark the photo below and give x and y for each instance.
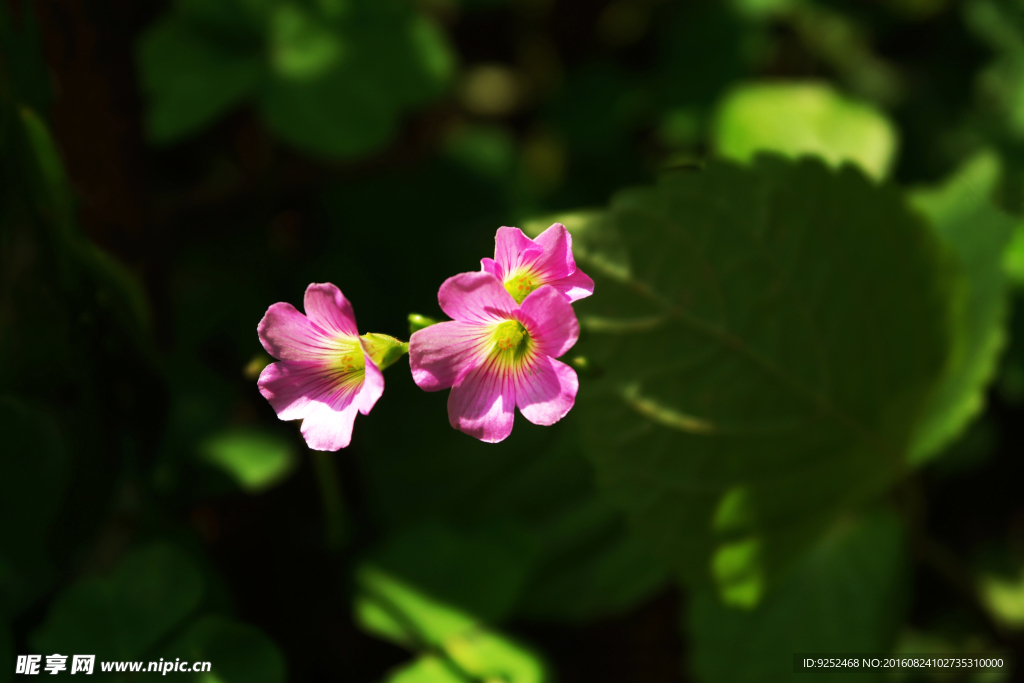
(382, 349)
(417, 322)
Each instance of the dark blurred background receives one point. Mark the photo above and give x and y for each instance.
(171, 169)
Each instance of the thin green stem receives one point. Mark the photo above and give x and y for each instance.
(335, 518)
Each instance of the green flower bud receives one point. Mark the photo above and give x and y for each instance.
(382, 349)
(417, 322)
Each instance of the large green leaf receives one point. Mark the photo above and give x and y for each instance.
(798, 119)
(973, 228)
(767, 339)
(123, 615)
(847, 595)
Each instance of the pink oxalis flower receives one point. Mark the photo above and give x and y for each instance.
(496, 354)
(325, 371)
(523, 265)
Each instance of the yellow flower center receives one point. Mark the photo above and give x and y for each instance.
(349, 361)
(520, 284)
(511, 340)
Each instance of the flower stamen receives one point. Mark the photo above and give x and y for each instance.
(511, 340)
(348, 361)
(520, 284)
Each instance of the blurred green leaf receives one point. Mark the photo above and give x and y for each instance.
(487, 150)
(428, 669)
(1013, 260)
(977, 232)
(331, 79)
(238, 652)
(847, 595)
(796, 119)
(970, 451)
(1000, 86)
(768, 338)
(479, 656)
(490, 656)
(392, 59)
(1003, 597)
(255, 459)
(301, 47)
(395, 610)
(481, 572)
(52, 193)
(190, 79)
(123, 615)
(110, 287)
(32, 483)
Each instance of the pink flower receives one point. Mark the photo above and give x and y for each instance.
(496, 355)
(325, 373)
(523, 265)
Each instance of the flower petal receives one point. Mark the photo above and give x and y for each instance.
(327, 307)
(545, 390)
(489, 265)
(576, 286)
(482, 404)
(514, 250)
(550, 320)
(441, 354)
(475, 297)
(328, 426)
(556, 262)
(373, 383)
(286, 334)
(290, 386)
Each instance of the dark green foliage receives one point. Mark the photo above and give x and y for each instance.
(330, 78)
(145, 610)
(848, 594)
(731, 324)
(124, 615)
(32, 482)
(801, 371)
